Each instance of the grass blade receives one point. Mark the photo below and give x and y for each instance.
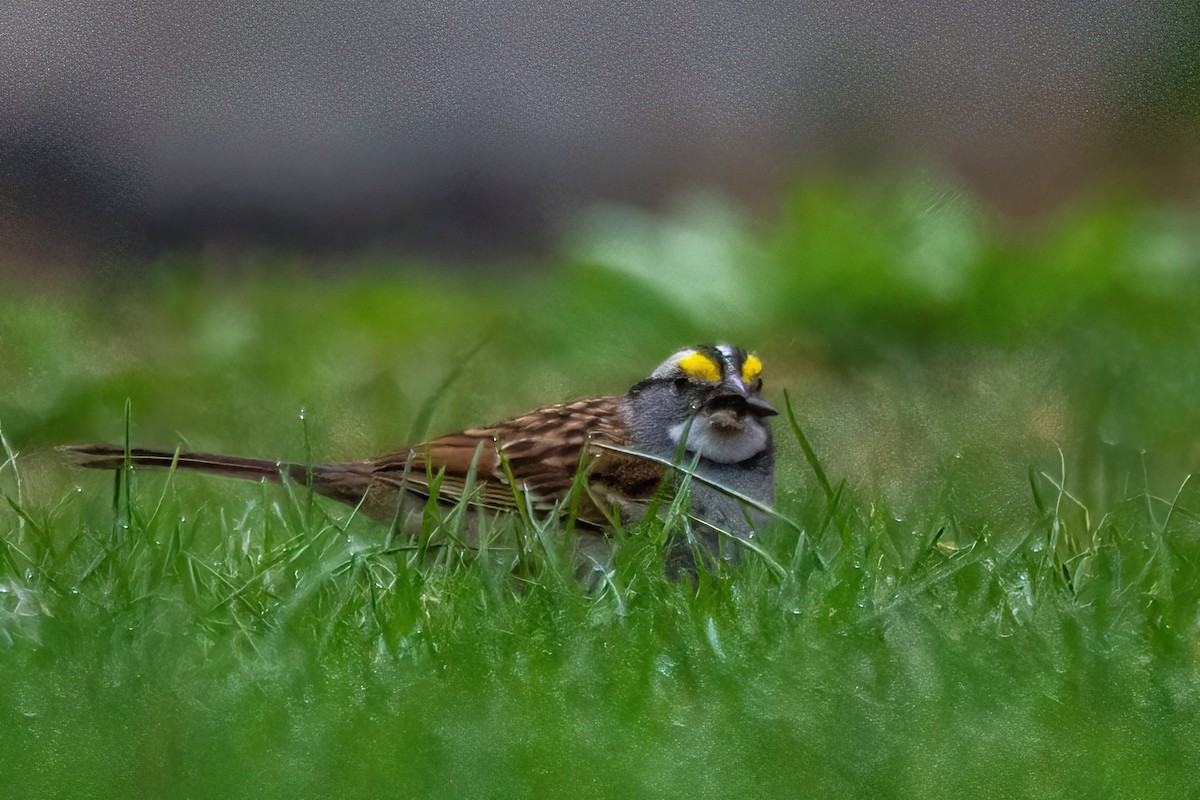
(809, 454)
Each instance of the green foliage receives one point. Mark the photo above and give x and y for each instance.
(986, 581)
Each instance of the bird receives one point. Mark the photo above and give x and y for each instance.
(700, 410)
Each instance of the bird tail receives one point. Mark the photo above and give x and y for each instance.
(348, 483)
(111, 456)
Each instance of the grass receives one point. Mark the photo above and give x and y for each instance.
(996, 591)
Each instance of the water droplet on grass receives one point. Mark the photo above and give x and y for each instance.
(714, 639)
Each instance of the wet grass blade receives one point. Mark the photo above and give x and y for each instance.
(809, 454)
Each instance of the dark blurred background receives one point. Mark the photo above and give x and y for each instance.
(461, 129)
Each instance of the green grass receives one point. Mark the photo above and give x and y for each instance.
(996, 591)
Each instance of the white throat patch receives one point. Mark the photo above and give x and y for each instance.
(724, 448)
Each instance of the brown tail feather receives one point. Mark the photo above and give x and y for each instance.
(111, 456)
(347, 483)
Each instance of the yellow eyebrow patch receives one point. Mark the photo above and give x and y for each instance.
(700, 366)
(751, 368)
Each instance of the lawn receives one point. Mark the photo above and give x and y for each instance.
(986, 582)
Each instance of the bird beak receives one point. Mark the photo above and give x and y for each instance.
(738, 394)
(760, 407)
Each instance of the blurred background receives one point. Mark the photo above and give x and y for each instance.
(943, 225)
(463, 130)
(963, 237)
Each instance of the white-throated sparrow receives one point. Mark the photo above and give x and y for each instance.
(710, 395)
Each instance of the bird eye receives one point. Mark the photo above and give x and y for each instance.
(681, 383)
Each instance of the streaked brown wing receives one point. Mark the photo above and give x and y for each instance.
(542, 450)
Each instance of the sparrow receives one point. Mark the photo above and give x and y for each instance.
(700, 412)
